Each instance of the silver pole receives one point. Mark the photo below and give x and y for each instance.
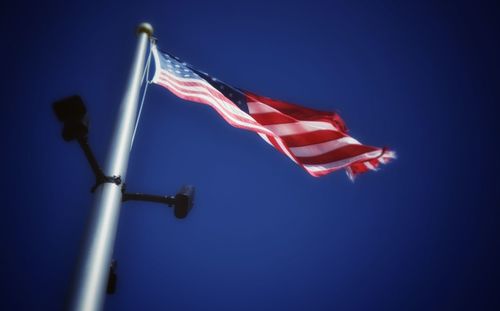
(92, 274)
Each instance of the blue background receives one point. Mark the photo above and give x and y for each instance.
(420, 77)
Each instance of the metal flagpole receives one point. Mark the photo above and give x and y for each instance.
(92, 274)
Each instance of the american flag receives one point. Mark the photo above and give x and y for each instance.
(315, 140)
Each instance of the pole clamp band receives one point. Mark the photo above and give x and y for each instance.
(117, 180)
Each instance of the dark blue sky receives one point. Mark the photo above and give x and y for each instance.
(420, 77)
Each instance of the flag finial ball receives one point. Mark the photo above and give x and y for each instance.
(145, 28)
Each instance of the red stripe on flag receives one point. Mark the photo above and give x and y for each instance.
(272, 118)
(316, 137)
(342, 153)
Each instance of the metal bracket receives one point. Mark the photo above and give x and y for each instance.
(112, 278)
(182, 202)
(117, 180)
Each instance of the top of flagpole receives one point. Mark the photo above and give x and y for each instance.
(145, 28)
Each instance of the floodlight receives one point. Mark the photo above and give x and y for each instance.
(184, 201)
(72, 113)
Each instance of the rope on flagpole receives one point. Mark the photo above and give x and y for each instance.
(145, 76)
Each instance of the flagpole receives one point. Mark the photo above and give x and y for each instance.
(93, 269)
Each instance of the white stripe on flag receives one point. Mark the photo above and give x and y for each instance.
(299, 127)
(256, 107)
(342, 163)
(322, 148)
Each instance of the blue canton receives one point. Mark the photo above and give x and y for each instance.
(183, 70)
